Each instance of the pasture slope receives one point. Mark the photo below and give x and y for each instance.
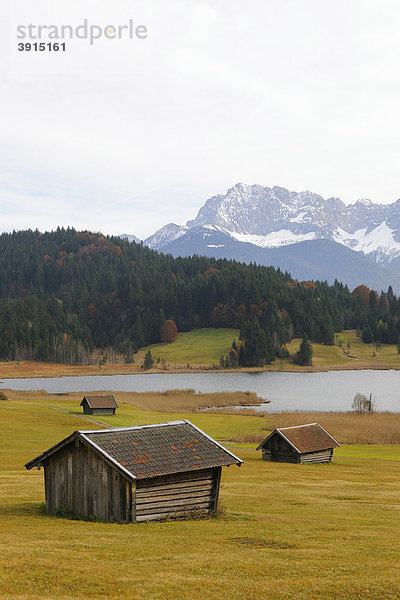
(202, 349)
(284, 532)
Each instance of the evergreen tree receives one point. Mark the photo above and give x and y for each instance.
(105, 293)
(305, 352)
(242, 355)
(269, 350)
(256, 352)
(367, 336)
(148, 361)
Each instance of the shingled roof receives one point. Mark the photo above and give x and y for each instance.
(105, 401)
(151, 450)
(305, 438)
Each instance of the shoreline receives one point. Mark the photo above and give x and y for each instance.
(32, 370)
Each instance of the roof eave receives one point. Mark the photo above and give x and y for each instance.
(266, 439)
(38, 460)
(332, 438)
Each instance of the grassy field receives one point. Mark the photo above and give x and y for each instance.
(287, 531)
(202, 348)
(358, 356)
(205, 346)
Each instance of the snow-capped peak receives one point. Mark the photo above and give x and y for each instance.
(273, 217)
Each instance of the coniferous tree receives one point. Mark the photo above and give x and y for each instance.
(106, 293)
(256, 352)
(305, 352)
(148, 360)
(367, 336)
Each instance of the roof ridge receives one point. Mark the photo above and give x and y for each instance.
(130, 427)
(210, 452)
(298, 426)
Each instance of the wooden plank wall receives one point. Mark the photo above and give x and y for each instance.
(274, 456)
(278, 450)
(78, 479)
(317, 457)
(178, 496)
(289, 457)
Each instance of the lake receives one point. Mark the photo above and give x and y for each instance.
(326, 391)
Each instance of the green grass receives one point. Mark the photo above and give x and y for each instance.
(200, 346)
(359, 355)
(373, 452)
(290, 532)
(205, 346)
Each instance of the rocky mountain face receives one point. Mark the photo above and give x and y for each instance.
(252, 220)
(129, 237)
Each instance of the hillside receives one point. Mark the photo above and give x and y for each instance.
(203, 347)
(66, 293)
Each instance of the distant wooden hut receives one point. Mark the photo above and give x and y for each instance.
(301, 444)
(99, 405)
(135, 473)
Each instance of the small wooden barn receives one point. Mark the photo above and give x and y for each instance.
(99, 405)
(301, 444)
(135, 473)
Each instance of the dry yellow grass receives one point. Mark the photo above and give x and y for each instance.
(346, 428)
(290, 532)
(186, 400)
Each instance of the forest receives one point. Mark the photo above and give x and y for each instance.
(65, 293)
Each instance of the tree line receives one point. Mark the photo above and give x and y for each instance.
(65, 293)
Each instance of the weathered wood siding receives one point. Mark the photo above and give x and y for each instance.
(277, 449)
(177, 496)
(102, 411)
(96, 411)
(317, 457)
(78, 479)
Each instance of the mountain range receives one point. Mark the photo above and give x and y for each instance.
(301, 232)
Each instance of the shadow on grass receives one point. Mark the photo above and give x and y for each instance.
(22, 509)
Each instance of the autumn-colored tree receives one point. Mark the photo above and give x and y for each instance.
(362, 292)
(169, 331)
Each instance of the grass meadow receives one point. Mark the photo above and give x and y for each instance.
(284, 531)
(202, 348)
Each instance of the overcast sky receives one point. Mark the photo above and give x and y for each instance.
(123, 136)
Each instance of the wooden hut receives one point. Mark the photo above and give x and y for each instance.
(301, 444)
(99, 405)
(135, 473)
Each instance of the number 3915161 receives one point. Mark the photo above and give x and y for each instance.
(42, 47)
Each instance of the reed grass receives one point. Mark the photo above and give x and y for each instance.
(187, 400)
(345, 427)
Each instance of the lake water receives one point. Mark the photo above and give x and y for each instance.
(333, 390)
